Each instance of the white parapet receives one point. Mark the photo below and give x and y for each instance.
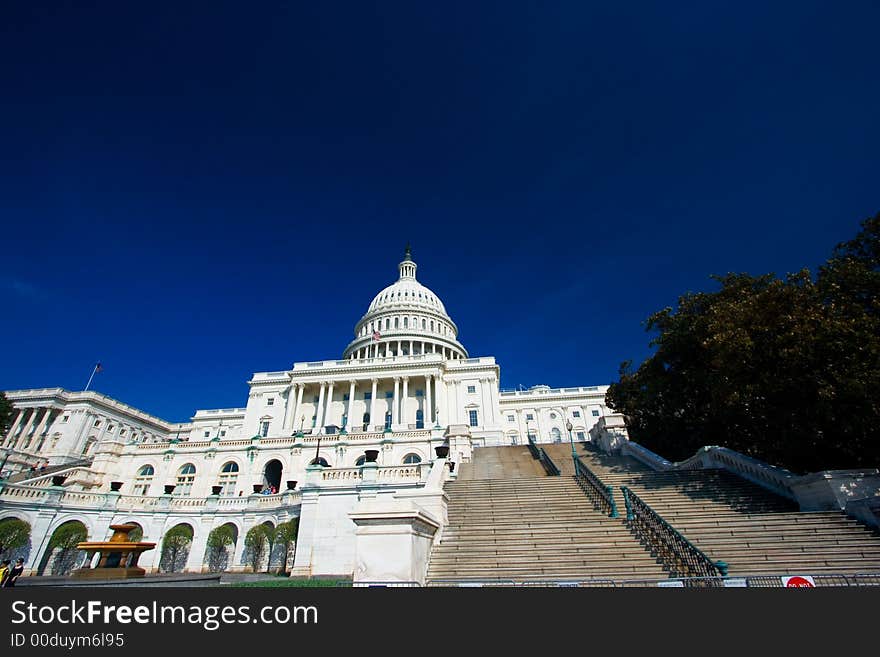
(393, 542)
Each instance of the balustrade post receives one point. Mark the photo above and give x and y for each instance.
(626, 501)
(614, 513)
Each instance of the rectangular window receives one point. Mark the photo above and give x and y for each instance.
(510, 418)
(270, 401)
(264, 429)
(581, 435)
(530, 417)
(65, 418)
(472, 415)
(576, 414)
(595, 413)
(222, 433)
(97, 423)
(472, 389)
(368, 396)
(207, 434)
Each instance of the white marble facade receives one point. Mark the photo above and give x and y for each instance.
(400, 383)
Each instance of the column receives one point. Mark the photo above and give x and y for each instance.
(395, 401)
(520, 425)
(14, 425)
(83, 434)
(540, 427)
(327, 407)
(27, 427)
(298, 407)
(429, 415)
(410, 348)
(451, 412)
(351, 390)
(402, 415)
(319, 412)
(288, 406)
(487, 405)
(373, 403)
(41, 427)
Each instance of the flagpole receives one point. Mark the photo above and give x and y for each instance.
(91, 377)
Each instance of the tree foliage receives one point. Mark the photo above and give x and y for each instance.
(785, 370)
(65, 539)
(7, 414)
(255, 544)
(285, 535)
(175, 548)
(218, 540)
(14, 534)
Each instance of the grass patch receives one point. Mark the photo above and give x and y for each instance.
(295, 582)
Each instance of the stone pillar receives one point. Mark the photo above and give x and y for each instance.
(319, 412)
(429, 415)
(540, 426)
(27, 427)
(403, 415)
(288, 407)
(15, 424)
(395, 401)
(298, 406)
(373, 404)
(351, 391)
(41, 427)
(328, 406)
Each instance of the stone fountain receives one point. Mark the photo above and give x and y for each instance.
(119, 556)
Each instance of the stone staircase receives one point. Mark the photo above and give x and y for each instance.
(728, 518)
(509, 521)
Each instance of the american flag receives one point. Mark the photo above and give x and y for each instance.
(376, 336)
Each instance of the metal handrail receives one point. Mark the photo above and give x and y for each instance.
(676, 552)
(599, 493)
(539, 454)
(549, 465)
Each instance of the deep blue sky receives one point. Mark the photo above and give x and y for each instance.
(191, 192)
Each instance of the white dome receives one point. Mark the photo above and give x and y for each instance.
(407, 292)
(405, 318)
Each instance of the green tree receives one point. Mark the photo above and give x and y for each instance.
(175, 548)
(786, 370)
(65, 539)
(255, 544)
(7, 414)
(14, 534)
(285, 535)
(269, 532)
(219, 539)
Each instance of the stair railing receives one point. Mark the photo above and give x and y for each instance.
(539, 454)
(601, 495)
(676, 552)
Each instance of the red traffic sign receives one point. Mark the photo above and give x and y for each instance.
(799, 582)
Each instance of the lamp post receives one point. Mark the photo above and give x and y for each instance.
(574, 456)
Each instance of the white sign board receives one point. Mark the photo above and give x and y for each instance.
(672, 583)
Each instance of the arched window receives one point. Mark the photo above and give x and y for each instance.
(185, 477)
(388, 421)
(142, 480)
(406, 322)
(396, 322)
(411, 459)
(556, 434)
(366, 421)
(228, 478)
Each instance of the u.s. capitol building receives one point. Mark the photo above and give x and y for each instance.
(314, 436)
